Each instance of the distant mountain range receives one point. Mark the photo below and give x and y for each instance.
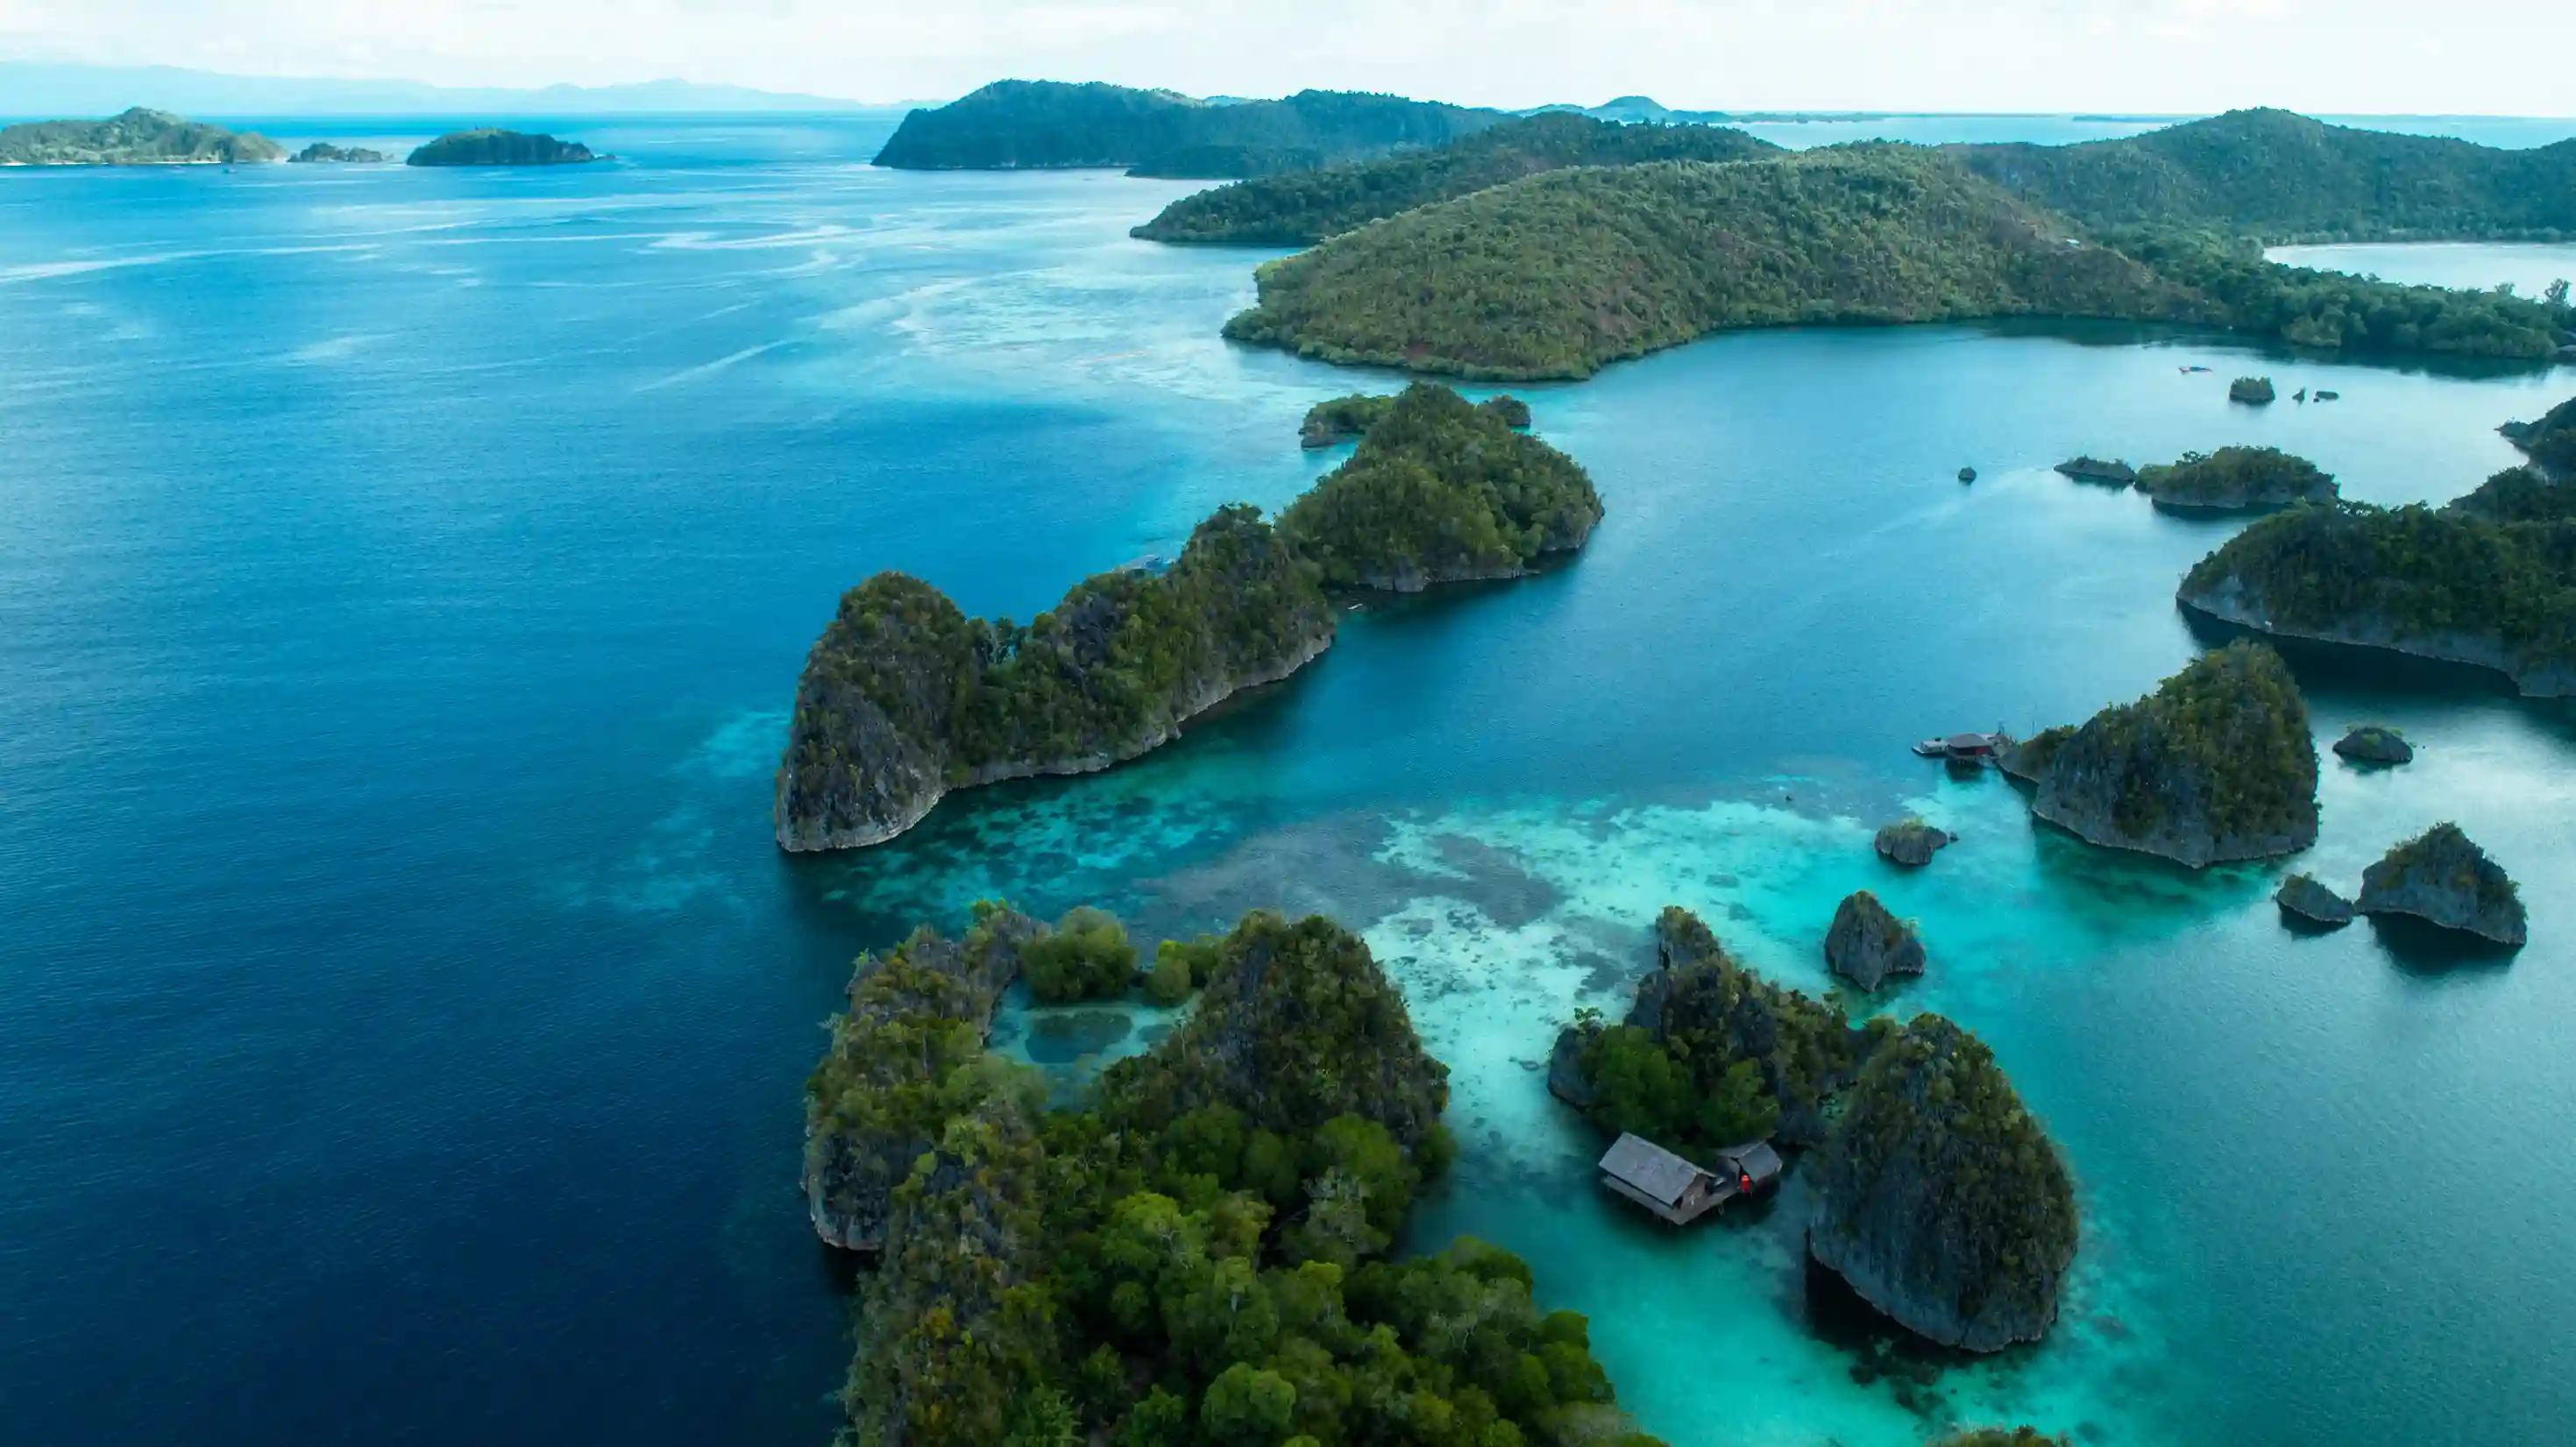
(37, 90)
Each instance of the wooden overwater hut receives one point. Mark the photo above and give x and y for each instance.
(1676, 1190)
(1963, 748)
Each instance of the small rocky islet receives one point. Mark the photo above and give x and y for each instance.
(905, 697)
(2217, 764)
(325, 153)
(1866, 944)
(489, 146)
(2374, 744)
(2443, 878)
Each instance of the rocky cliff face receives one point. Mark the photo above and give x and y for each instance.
(1725, 1013)
(905, 698)
(1298, 1026)
(2301, 895)
(2445, 878)
(1940, 1199)
(916, 1012)
(1867, 944)
(2216, 765)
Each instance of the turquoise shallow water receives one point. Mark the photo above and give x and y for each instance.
(404, 582)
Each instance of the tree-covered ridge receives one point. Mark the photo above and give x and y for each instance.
(489, 147)
(2549, 442)
(1940, 1198)
(1198, 1259)
(323, 152)
(2284, 177)
(137, 137)
(2216, 764)
(904, 696)
(1020, 124)
(2490, 579)
(2329, 310)
(1300, 208)
(1557, 274)
(2237, 477)
(1440, 490)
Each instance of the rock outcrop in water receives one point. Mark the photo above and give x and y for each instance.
(321, 152)
(489, 147)
(2094, 469)
(1440, 491)
(917, 1011)
(1940, 1199)
(1867, 944)
(2374, 744)
(2256, 390)
(2443, 877)
(1909, 842)
(2487, 580)
(2236, 479)
(2216, 764)
(905, 697)
(1710, 1054)
(2301, 895)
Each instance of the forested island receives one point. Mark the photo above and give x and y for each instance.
(488, 147)
(1304, 207)
(1940, 1200)
(138, 137)
(1034, 125)
(1557, 274)
(1198, 1254)
(1441, 491)
(324, 152)
(905, 698)
(2217, 764)
(2488, 580)
(2235, 479)
(2282, 177)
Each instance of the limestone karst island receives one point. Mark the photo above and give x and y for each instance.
(1263, 726)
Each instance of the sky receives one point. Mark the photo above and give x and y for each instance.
(2154, 56)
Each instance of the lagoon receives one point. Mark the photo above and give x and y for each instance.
(404, 583)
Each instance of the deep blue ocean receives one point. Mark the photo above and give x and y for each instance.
(403, 581)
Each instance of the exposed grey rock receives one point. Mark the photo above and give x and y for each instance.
(1909, 842)
(1565, 1078)
(2301, 895)
(2372, 744)
(851, 1171)
(1940, 1199)
(2443, 877)
(1867, 944)
(2217, 764)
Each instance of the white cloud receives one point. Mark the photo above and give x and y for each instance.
(2159, 55)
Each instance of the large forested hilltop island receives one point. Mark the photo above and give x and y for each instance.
(904, 697)
(2217, 764)
(2284, 177)
(1940, 1200)
(1304, 207)
(138, 137)
(1558, 274)
(488, 147)
(1031, 125)
(1197, 1255)
(2488, 580)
